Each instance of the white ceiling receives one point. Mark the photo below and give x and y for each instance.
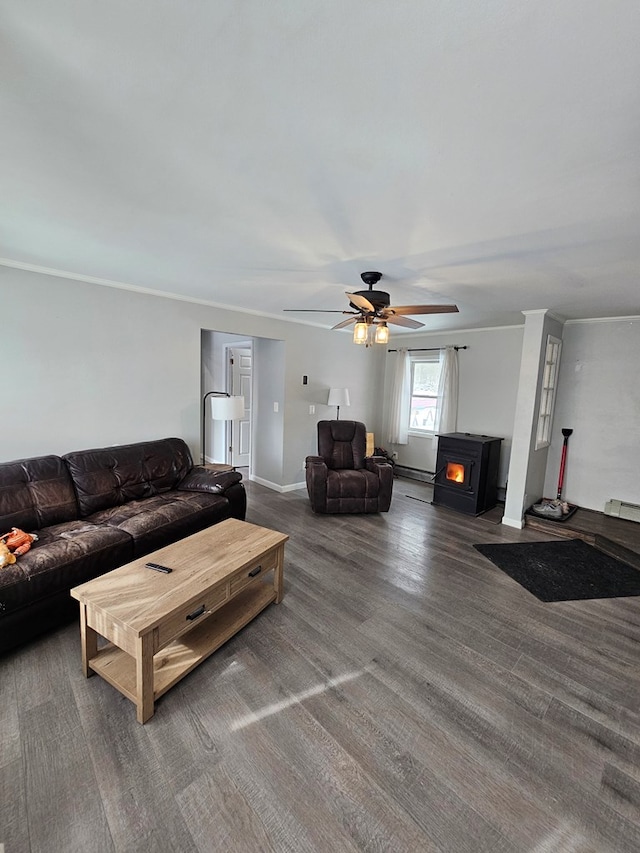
(262, 154)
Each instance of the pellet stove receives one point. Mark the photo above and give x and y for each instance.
(467, 472)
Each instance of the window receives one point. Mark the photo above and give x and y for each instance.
(549, 382)
(425, 376)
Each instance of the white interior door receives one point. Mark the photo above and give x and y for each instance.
(240, 367)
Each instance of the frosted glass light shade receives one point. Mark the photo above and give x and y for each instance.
(382, 334)
(360, 333)
(227, 408)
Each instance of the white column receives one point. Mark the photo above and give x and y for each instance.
(527, 466)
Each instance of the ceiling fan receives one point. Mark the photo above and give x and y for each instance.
(372, 308)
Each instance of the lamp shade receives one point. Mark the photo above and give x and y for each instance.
(227, 408)
(338, 397)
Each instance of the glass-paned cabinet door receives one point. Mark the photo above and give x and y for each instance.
(549, 383)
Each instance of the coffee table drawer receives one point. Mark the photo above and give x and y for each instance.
(252, 573)
(185, 618)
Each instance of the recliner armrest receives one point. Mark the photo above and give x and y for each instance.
(200, 479)
(314, 460)
(379, 465)
(316, 476)
(381, 460)
(376, 463)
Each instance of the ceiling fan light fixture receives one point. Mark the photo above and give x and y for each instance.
(361, 333)
(373, 308)
(382, 333)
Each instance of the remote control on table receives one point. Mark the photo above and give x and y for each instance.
(158, 568)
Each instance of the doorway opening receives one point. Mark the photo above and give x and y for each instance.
(220, 437)
(257, 374)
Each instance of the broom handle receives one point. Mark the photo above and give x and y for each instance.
(563, 459)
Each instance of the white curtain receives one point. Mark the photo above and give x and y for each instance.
(397, 430)
(446, 418)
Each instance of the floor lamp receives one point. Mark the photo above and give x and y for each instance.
(224, 407)
(338, 397)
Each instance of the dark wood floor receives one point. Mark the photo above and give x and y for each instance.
(405, 696)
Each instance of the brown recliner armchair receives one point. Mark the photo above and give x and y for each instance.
(342, 478)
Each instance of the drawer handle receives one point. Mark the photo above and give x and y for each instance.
(255, 571)
(196, 613)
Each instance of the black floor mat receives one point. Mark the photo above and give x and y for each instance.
(567, 570)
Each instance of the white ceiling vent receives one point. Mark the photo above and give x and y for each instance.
(621, 509)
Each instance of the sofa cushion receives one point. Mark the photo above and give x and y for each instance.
(199, 479)
(65, 555)
(157, 521)
(112, 476)
(35, 493)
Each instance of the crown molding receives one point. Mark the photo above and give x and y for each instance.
(146, 291)
(628, 319)
(439, 333)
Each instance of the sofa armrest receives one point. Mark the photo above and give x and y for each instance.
(200, 479)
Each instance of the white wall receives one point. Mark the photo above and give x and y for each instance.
(488, 372)
(599, 398)
(83, 365)
(268, 377)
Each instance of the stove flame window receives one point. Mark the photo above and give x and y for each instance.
(455, 472)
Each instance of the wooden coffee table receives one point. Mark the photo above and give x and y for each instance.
(161, 626)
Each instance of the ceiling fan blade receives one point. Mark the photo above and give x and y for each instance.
(361, 301)
(421, 309)
(403, 321)
(344, 323)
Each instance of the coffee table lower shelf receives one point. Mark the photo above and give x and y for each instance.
(177, 659)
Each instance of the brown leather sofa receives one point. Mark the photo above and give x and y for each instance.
(94, 510)
(342, 478)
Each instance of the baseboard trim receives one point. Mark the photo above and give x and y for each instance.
(291, 487)
(518, 523)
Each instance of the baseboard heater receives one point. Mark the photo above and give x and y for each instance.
(621, 509)
(414, 473)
